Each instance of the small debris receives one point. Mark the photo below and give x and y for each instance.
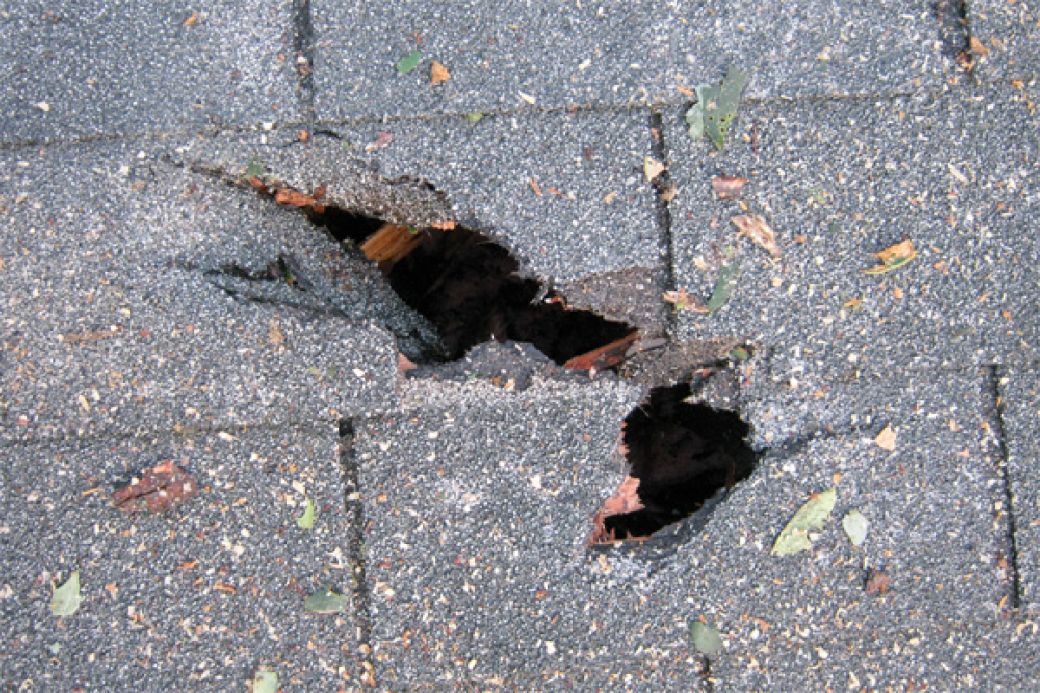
(439, 74)
(603, 357)
(382, 139)
(886, 439)
(265, 681)
(192, 19)
(448, 225)
(274, 334)
(855, 525)
(682, 300)
(877, 582)
(326, 601)
(255, 169)
(409, 62)
(160, 488)
(474, 117)
(43, 106)
(404, 364)
(810, 517)
(391, 243)
(893, 257)
(755, 228)
(728, 187)
(306, 520)
(66, 599)
(527, 98)
(537, 189)
(288, 197)
(978, 47)
(705, 637)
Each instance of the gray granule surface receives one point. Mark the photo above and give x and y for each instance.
(94, 68)
(155, 306)
(199, 597)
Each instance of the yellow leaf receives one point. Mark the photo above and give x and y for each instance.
(652, 168)
(886, 440)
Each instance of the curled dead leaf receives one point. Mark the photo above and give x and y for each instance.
(755, 228)
(728, 187)
(439, 74)
(159, 488)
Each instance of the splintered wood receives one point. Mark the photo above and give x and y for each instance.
(391, 243)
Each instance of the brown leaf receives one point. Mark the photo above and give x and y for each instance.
(728, 187)
(194, 17)
(448, 225)
(886, 439)
(294, 198)
(257, 183)
(978, 47)
(754, 227)
(893, 257)
(624, 501)
(537, 189)
(439, 74)
(159, 488)
(878, 582)
(382, 139)
(604, 357)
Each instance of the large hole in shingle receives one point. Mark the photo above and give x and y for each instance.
(470, 289)
(680, 455)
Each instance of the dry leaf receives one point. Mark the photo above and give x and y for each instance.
(754, 227)
(192, 19)
(439, 74)
(624, 501)
(448, 225)
(275, 334)
(535, 187)
(893, 257)
(728, 187)
(295, 198)
(404, 364)
(886, 440)
(978, 47)
(878, 582)
(652, 168)
(159, 488)
(382, 139)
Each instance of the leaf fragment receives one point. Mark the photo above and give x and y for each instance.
(705, 637)
(716, 108)
(265, 681)
(755, 228)
(810, 517)
(306, 520)
(160, 488)
(682, 300)
(893, 257)
(625, 500)
(878, 582)
(652, 168)
(409, 62)
(855, 525)
(474, 117)
(728, 187)
(66, 599)
(255, 169)
(326, 601)
(886, 439)
(724, 286)
(383, 138)
(439, 74)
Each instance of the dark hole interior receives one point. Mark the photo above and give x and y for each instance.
(468, 287)
(682, 455)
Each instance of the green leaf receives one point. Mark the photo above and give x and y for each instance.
(306, 520)
(855, 525)
(255, 169)
(67, 598)
(705, 638)
(474, 117)
(265, 681)
(716, 108)
(724, 286)
(811, 516)
(409, 62)
(326, 601)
